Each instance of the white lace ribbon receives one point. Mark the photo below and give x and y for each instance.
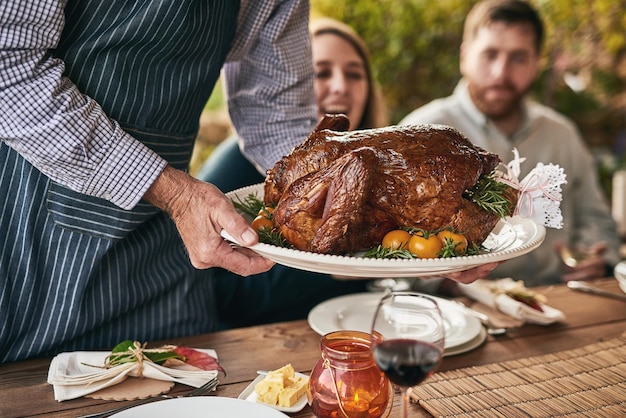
(539, 192)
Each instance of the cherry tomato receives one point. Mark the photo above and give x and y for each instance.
(425, 247)
(453, 240)
(396, 239)
(261, 222)
(266, 211)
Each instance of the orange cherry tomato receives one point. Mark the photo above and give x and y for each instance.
(425, 247)
(266, 211)
(396, 240)
(261, 222)
(455, 241)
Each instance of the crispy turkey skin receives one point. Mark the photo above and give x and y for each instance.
(341, 192)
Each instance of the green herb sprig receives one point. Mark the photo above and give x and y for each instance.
(384, 252)
(250, 205)
(128, 352)
(490, 194)
(272, 237)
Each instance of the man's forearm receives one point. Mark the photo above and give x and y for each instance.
(167, 189)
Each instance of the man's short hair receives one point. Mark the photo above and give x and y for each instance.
(507, 11)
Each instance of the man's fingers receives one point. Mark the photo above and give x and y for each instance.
(473, 274)
(239, 260)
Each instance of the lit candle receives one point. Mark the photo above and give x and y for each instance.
(357, 407)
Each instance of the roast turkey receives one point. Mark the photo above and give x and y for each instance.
(340, 192)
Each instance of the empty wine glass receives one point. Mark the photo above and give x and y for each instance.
(407, 339)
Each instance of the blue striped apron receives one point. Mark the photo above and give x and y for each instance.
(78, 272)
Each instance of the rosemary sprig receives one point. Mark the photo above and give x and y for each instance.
(490, 194)
(383, 252)
(449, 249)
(250, 205)
(474, 249)
(272, 237)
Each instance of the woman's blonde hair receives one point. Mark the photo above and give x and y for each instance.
(375, 114)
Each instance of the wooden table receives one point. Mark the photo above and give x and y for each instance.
(589, 319)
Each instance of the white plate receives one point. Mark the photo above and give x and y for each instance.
(468, 346)
(355, 312)
(249, 394)
(620, 274)
(200, 407)
(509, 239)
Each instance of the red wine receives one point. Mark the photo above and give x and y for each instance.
(407, 362)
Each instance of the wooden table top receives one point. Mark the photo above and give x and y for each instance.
(589, 319)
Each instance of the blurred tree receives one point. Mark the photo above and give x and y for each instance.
(216, 101)
(415, 43)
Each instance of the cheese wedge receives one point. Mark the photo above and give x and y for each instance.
(281, 387)
(292, 392)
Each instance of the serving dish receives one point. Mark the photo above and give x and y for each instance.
(512, 237)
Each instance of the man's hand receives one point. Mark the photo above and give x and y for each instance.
(200, 212)
(473, 274)
(582, 265)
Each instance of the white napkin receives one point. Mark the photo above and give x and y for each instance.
(485, 292)
(72, 377)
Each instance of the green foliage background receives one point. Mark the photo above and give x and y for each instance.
(414, 46)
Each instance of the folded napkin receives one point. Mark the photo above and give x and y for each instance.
(493, 294)
(73, 373)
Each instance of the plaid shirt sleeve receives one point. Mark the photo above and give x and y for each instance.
(269, 79)
(43, 116)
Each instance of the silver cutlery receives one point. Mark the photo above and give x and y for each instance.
(207, 387)
(586, 287)
(485, 321)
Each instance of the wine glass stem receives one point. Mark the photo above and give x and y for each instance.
(405, 402)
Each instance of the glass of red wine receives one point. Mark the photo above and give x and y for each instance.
(408, 336)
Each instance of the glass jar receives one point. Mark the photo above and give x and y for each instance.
(345, 382)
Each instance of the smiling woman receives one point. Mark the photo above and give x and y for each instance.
(343, 75)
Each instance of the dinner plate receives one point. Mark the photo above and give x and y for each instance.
(200, 407)
(620, 275)
(468, 346)
(510, 238)
(249, 394)
(355, 312)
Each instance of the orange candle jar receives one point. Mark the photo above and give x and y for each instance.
(345, 382)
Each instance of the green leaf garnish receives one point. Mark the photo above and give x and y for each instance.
(250, 205)
(490, 194)
(127, 351)
(384, 252)
(474, 249)
(272, 237)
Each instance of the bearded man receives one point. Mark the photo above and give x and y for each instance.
(499, 62)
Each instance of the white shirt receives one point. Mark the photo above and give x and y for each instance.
(548, 137)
